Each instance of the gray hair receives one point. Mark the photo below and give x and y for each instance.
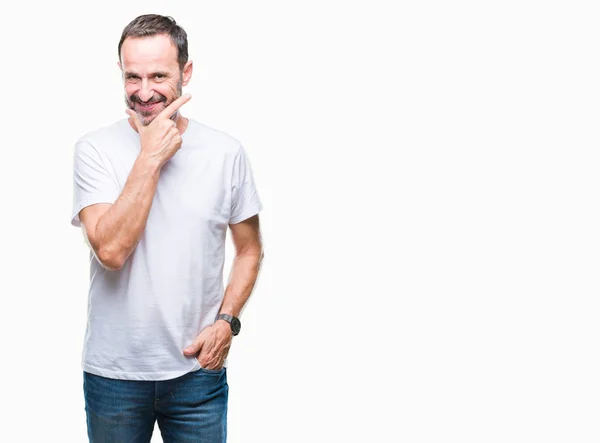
(153, 24)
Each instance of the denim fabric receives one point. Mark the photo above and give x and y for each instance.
(190, 408)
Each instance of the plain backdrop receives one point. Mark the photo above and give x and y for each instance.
(429, 176)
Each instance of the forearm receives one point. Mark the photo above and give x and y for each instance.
(244, 273)
(119, 229)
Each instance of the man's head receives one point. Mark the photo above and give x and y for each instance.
(153, 58)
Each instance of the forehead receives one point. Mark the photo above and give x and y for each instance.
(145, 53)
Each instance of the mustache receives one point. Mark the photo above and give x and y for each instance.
(154, 99)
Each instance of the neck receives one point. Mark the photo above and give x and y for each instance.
(181, 122)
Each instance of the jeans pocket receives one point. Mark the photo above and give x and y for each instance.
(212, 371)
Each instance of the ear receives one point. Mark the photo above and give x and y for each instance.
(120, 66)
(187, 72)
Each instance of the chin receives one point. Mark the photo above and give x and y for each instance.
(147, 120)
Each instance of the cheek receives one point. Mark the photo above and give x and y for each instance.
(130, 90)
(164, 89)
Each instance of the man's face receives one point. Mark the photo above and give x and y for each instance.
(151, 75)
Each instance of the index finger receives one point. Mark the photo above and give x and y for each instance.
(173, 107)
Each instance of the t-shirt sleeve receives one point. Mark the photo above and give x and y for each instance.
(92, 183)
(245, 201)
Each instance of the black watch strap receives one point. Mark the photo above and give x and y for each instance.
(225, 317)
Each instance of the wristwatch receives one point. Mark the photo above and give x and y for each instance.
(234, 322)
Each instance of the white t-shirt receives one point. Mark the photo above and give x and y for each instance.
(141, 317)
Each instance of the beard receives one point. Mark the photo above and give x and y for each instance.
(147, 116)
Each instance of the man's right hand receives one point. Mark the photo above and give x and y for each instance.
(160, 139)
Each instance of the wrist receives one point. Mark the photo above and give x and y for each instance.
(150, 162)
(233, 322)
(222, 324)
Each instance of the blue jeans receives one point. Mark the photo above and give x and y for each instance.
(190, 408)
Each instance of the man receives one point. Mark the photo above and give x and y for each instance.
(154, 194)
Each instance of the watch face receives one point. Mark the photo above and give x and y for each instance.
(235, 325)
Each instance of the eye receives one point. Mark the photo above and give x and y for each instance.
(159, 76)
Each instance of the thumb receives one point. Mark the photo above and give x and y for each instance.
(194, 347)
(134, 119)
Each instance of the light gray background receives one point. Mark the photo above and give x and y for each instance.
(429, 173)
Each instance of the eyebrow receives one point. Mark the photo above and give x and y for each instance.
(152, 74)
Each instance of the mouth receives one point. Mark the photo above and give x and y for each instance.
(145, 107)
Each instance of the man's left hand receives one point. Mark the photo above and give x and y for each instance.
(213, 343)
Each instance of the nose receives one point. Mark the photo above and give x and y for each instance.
(145, 93)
